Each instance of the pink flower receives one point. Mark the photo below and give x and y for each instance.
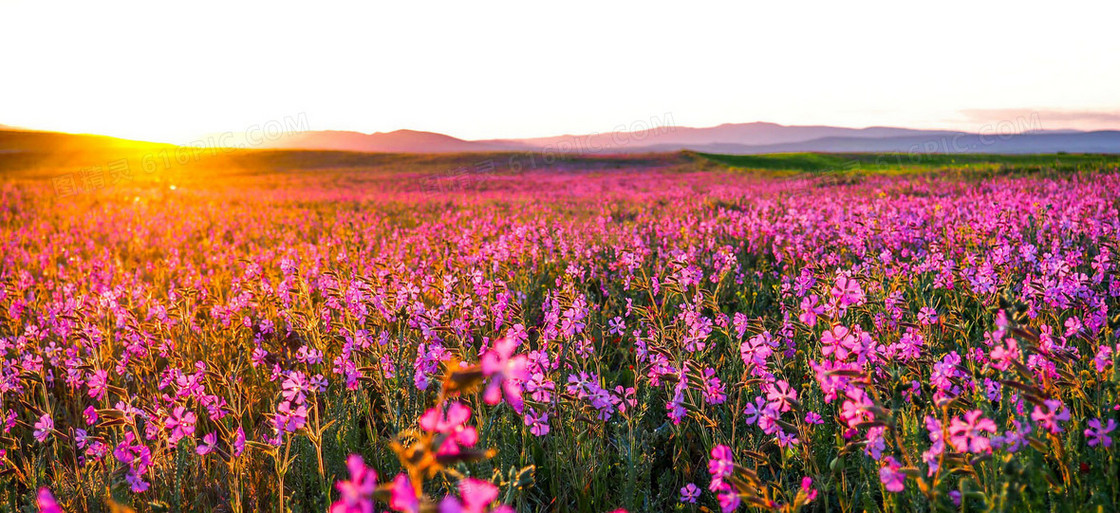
(181, 423)
(847, 291)
(967, 435)
(208, 443)
(891, 476)
(295, 387)
(288, 420)
(239, 441)
(403, 495)
(689, 493)
(728, 499)
(506, 373)
(90, 413)
(927, 315)
(98, 384)
(453, 425)
(720, 465)
(1049, 417)
(46, 503)
(810, 310)
(1003, 356)
(1098, 434)
(356, 494)
(43, 428)
(837, 341)
(477, 496)
(780, 395)
(807, 487)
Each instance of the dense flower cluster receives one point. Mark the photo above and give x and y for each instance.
(647, 340)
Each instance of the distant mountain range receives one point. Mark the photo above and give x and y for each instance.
(740, 138)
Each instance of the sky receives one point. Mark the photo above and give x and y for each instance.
(171, 71)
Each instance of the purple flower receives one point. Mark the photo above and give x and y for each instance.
(43, 428)
(136, 483)
(754, 410)
(1098, 434)
(689, 493)
(1050, 414)
(890, 475)
(538, 423)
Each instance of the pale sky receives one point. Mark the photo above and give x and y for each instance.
(169, 71)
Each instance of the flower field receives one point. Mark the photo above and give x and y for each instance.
(650, 339)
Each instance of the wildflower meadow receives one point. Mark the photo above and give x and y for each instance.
(666, 337)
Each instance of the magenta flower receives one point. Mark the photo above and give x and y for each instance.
(720, 465)
(477, 497)
(90, 413)
(43, 428)
(356, 494)
(807, 488)
(1098, 434)
(239, 441)
(506, 373)
(209, 441)
(295, 387)
(46, 503)
(403, 495)
(968, 435)
(890, 475)
(810, 310)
